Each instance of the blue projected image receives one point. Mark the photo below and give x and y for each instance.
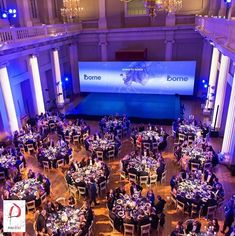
(147, 77)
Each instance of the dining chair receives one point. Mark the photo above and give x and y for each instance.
(207, 165)
(195, 210)
(153, 179)
(67, 138)
(182, 137)
(144, 180)
(52, 126)
(122, 175)
(81, 191)
(163, 177)
(124, 132)
(21, 167)
(195, 166)
(190, 139)
(61, 200)
(76, 139)
(21, 147)
(71, 159)
(173, 198)
(111, 154)
(154, 146)
(74, 191)
(46, 165)
(30, 147)
(2, 175)
(43, 198)
(103, 187)
(146, 146)
(129, 229)
(132, 177)
(60, 163)
(30, 206)
(111, 223)
(90, 232)
(85, 136)
(138, 144)
(210, 212)
(180, 206)
(132, 141)
(145, 230)
(100, 155)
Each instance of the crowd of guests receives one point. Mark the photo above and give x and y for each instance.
(91, 184)
(193, 227)
(208, 177)
(155, 215)
(155, 155)
(162, 135)
(114, 124)
(28, 196)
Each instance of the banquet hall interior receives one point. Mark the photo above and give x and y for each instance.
(117, 117)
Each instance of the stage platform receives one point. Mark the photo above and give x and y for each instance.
(139, 107)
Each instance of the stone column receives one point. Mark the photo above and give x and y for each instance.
(57, 78)
(35, 82)
(24, 13)
(222, 10)
(102, 15)
(170, 19)
(8, 99)
(169, 50)
(220, 93)
(49, 8)
(103, 47)
(212, 79)
(228, 146)
(73, 55)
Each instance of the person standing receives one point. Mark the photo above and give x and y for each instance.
(92, 189)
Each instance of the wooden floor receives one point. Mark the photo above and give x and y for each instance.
(102, 226)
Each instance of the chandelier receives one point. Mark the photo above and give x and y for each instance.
(71, 10)
(154, 6)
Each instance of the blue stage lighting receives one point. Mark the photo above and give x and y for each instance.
(14, 11)
(10, 11)
(14, 15)
(205, 86)
(227, 1)
(66, 79)
(203, 81)
(4, 15)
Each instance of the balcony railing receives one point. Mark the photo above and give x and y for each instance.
(13, 35)
(219, 30)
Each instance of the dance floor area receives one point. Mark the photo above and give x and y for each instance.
(163, 108)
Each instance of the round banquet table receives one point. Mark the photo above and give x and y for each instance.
(187, 189)
(66, 221)
(190, 130)
(138, 207)
(29, 186)
(29, 138)
(53, 154)
(197, 155)
(141, 163)
(101, 144)
(114, 124)
(87, 172)
(148, 137)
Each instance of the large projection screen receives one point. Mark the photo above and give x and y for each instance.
(142, 77)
